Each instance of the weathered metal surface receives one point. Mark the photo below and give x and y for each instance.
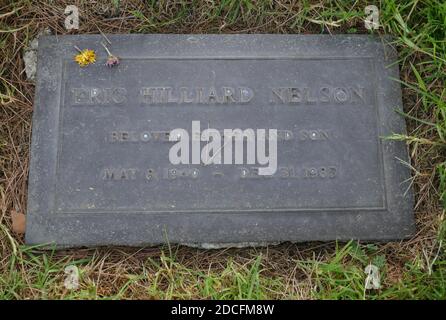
(100, 171)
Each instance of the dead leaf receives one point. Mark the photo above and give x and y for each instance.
(18, 222)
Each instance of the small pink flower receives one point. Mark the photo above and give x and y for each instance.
(112, 61)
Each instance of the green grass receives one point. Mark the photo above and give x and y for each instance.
(409, 270)
(442, 187)
(339, 275)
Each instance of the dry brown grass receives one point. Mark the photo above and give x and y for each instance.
(108, 270)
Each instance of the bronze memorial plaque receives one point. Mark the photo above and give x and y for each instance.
(218, 140)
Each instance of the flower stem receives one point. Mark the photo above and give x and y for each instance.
(106, 49)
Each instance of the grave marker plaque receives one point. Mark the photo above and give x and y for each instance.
(100, 170)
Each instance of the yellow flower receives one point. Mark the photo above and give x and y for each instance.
(85, 57)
